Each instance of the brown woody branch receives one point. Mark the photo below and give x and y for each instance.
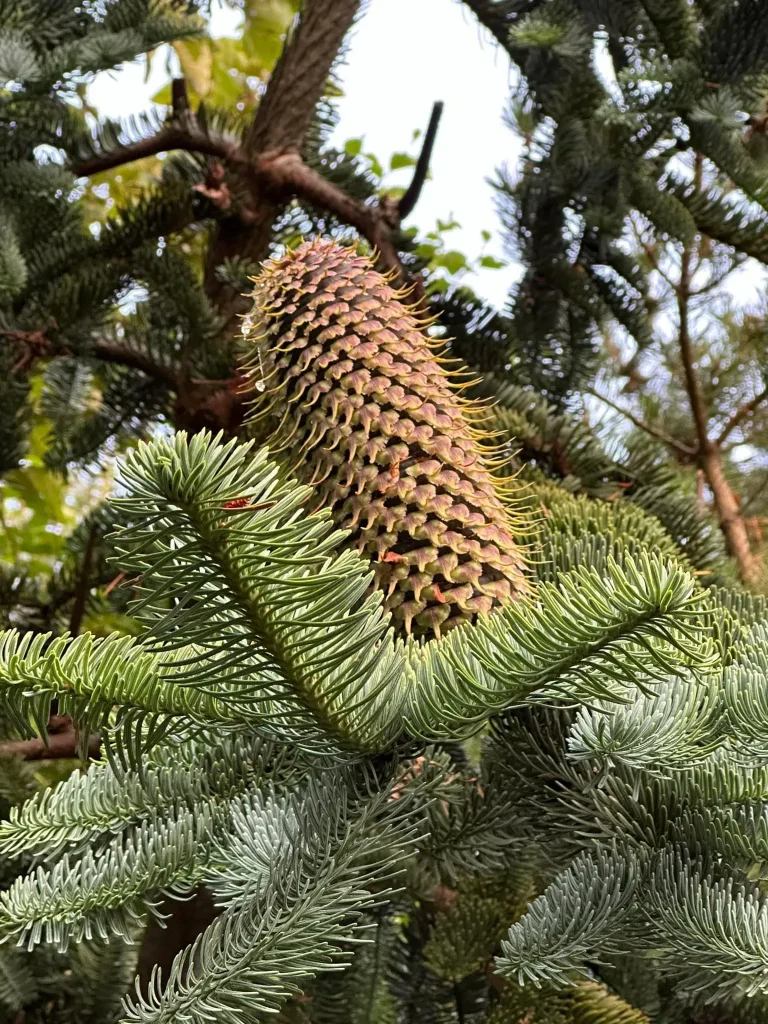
(295, 88)
(656, 432)
(709, 453)
(113, 352)
(276, 176)
(740, 415)
(269, 164)
(181, 135)
(695, 396)
(63, 742)
(289, 175)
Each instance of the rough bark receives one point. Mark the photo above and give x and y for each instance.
(298, 81)
(729, 514)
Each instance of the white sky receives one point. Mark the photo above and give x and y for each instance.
(403, 55)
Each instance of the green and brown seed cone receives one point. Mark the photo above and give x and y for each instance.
(356, 396)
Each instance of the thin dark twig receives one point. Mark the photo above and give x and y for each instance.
(179, 97)
(81, 593)
(411, 196)
(660, 435)
(742, 414)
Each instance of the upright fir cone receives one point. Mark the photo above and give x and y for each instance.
(355, 395)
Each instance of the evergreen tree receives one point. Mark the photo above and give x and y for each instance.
(437, 711)
(642, 191)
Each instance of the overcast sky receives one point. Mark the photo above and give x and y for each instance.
(404, 54)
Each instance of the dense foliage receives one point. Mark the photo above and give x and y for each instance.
(426, 710)
(639, 217)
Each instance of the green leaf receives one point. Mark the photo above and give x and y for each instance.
(266, 25)
(353, 147)
(196, 61)
(398, 160)
(453, 261)
(425, 251)
(375, 165)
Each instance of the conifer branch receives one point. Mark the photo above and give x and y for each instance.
(174, 135)
(660, 435)
(113, 352)
(740, 415)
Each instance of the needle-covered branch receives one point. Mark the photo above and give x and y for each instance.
(648, 428)
(741, 414)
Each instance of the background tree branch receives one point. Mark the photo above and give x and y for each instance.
(173, 136)
(741, 414)
(113, 352)
(83, 583)
(660, 435)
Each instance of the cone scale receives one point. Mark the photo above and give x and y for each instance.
(351, 389)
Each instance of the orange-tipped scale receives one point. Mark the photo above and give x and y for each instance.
(353, 390)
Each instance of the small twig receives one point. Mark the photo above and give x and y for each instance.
(660, 435)
(179, 98)
(713, 283)
(741, 414)
(411, 196)
(34, 345)
(114, 583)
(753, 497)
(649, 252)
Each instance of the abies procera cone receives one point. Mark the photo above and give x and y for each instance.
(354, 393)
